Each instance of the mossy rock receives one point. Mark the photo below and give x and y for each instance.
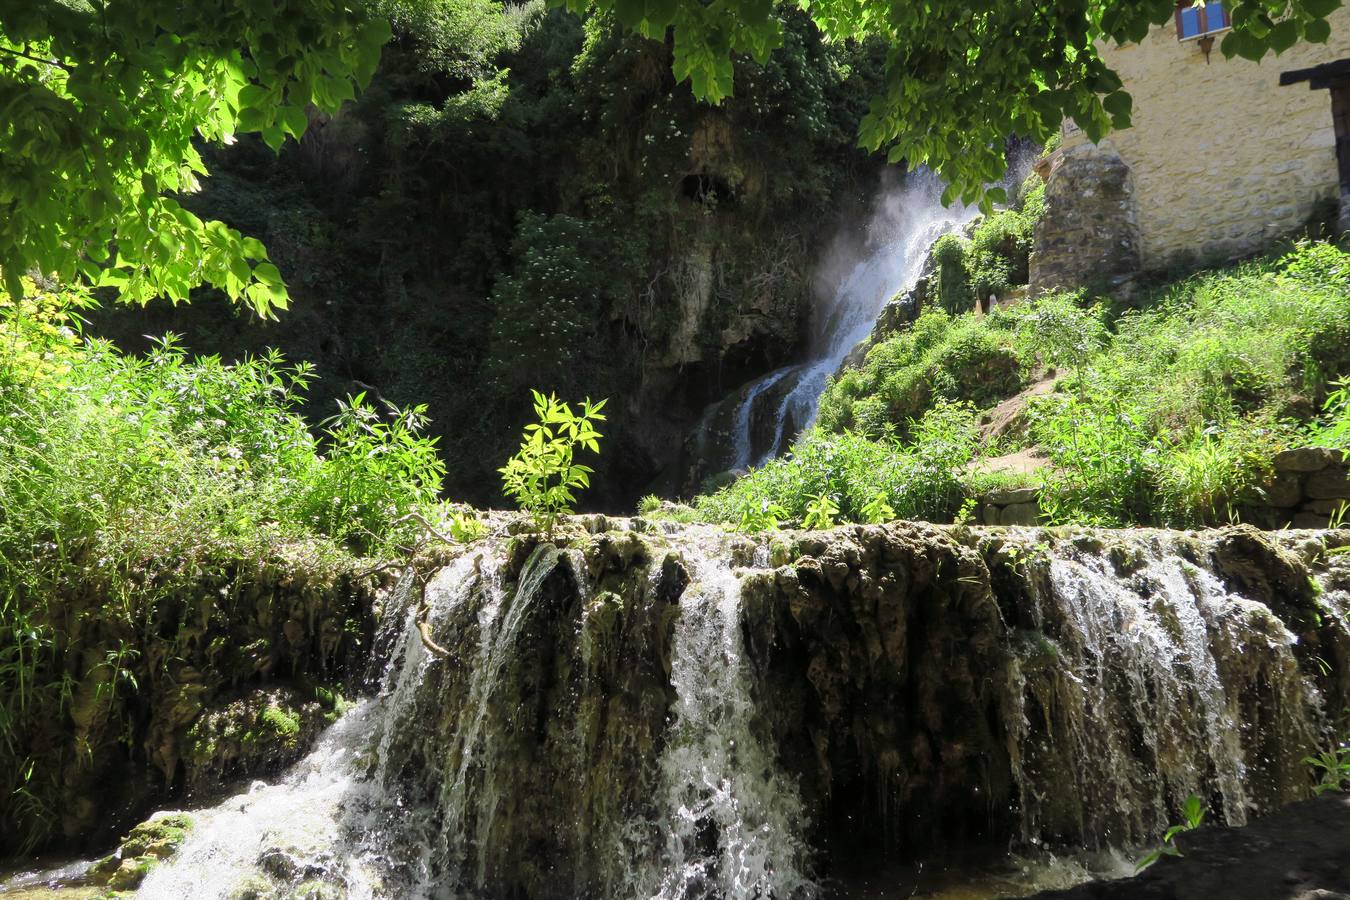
(143, 847)
(260, 732)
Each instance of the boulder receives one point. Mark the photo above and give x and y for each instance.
(1283, 491)
(1009, 496)
(1304, 459)
(1020, 514)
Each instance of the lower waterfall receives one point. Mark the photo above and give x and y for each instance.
(634, 712)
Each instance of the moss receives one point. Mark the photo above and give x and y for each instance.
(258, 732)
(282, 723)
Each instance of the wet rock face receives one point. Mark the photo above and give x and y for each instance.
(876, 647)
(898, 688)
(254, 735)
(543, 759)
(223, 679)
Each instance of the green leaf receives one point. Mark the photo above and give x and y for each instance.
(253, 97)
(268, 274)
(1320, 9)
(1317, 31)
(294, 121)
(1283, 36)
(1118, 103)
(13, 282)
(274, 137)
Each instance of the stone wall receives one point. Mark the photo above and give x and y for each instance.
(1088, 234)
(1308, 488)
(1223, 158)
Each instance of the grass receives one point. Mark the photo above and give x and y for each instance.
(1167, 412)
(122, 480)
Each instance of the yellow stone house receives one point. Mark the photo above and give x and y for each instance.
(1223, 156)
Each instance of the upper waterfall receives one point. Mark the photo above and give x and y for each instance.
(860, 272)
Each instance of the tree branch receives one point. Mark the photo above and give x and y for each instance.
(37, 59)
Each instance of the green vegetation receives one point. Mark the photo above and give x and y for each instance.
(821, 512)
(123, 482)
(960, 79)
(1167, 412)
(522, 199)
(543, 476)
(1332, 766)
(994, 258)
(103, 105)
(1193, 812)
(867, 480)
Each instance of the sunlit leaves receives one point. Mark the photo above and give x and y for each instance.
(99, 110)
(543, 476)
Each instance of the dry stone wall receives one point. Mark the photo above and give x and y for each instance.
(1309, 487)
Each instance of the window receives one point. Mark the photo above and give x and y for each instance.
(1194, 21)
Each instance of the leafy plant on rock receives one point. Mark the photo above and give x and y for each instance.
(1332, 766)
(877, 511)
(822, 513)
(1193, 812)
(760, 515)
(543, 476)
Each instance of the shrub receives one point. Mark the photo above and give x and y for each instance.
(959, 359)
(543, 476)
(863, 480)
(123, 478)
(953, 281)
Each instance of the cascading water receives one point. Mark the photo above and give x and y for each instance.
(677, 716)
(716, 776)
(761, 419)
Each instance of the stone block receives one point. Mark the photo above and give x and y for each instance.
(1310, 520)
(1324, 507)
(1328, 484)
(1020, 514)
(1304, 459)
(1283, 491)
(1009, 496)
(990, 516)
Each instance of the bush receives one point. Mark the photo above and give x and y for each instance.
(953, 281)
(924, 480)
(123, 478)
(940, 357)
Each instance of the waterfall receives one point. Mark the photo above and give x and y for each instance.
(856, 280)
(674, 716)
(717, 778)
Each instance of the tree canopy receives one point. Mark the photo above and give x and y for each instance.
(104, 103)
(962, 77)
(101, 102)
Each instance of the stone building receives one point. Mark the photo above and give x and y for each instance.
(1223, 156)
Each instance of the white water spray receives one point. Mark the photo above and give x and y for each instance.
(858, 277)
